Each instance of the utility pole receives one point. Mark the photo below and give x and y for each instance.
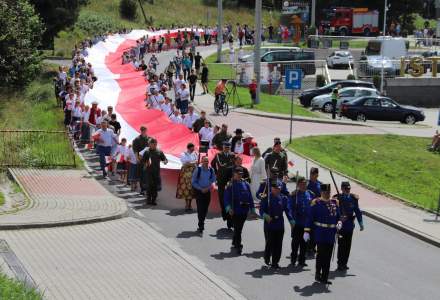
(143, 12)
(219, 30)
(313, 14)
(257, 53)
(384, 34)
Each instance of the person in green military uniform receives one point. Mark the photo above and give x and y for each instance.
(222, 163)
(139, 144)
(276, 162)
(151, 159)
(335, 98)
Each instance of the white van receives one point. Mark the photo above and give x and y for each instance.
(387, 47)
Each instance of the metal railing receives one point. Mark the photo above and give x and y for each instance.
(36, 148)
(272, 74)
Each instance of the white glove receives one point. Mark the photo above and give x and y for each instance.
(306, 237)
(339, 225)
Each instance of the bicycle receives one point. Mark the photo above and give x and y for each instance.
(220, 104)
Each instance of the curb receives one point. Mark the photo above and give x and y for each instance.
(378, 217)
(315, 120)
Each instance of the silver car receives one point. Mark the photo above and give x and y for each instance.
(324, 102)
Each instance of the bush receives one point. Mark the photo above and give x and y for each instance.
(320, 80)
(376, 81)
(20, 38)
(351, 77)
(92, 23)
(128, 9)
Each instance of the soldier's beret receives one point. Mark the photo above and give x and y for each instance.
(345, 184)
(238, 170)
(226, 144)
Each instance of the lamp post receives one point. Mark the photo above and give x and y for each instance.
(257, 56)
(384, 34)
(219, 30)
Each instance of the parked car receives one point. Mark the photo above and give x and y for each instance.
(381, 109)
(306, 96)
(324, 102)
(340, 59)
(263, 50)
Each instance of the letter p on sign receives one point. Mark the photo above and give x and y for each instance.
(293, 79)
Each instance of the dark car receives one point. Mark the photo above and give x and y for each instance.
(306, 96)
(381, 109)
(291, 59)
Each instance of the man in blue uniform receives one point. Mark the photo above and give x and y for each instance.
(324, 219)
(299, 205)
(349, 208)
(238, 202)
(271, 209)
(314, 184)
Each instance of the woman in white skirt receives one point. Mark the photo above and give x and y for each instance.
(258, 171)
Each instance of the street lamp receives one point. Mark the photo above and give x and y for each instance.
(257, 54)
(219, 30)
(384, 34)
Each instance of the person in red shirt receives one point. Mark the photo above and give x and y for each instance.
(248, 144)
(253, 89)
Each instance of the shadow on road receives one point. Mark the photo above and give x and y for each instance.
(255, 254)
(188, 234)
(222, 234)
(179, 212)
(267, 271)
(336, 274)
(222, 255)
(310, 290)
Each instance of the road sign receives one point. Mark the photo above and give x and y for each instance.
(293, 79)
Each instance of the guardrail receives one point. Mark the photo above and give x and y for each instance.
(36, 148)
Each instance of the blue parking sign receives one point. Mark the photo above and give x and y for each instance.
(293, 79)
(438, 121)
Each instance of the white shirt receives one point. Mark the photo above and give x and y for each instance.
(106, 137)
(85, 115)
(121, 151)
(176, 120)
(100, 119)
(70, 103)
(188, 157)
(206, 134)
(189, 120)
(77, 112)
(131, 157)
(166, 108)
(238, 148)
(155, 100)
(184, 95)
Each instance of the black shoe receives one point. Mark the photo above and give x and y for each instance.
(153, 203)
(275, 266)
(318, 278)
(302, 264)
(346, 268)
(267, 261)
(229, 224)
(200, 230)
(325, 281)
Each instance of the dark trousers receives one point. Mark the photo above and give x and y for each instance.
(323, 258)
(274, 245)
(344, 246)
(298, 243)
(183, 106)
(334, 110)
(192, 91)
(202, 200)
(103, 152)
(238, 222)
(185, 73)
(151, 194)
(221, 200)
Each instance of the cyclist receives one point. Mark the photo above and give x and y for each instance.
(220, 90)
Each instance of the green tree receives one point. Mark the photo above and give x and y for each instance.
(57, 15)
(128, 9)
(19, 39)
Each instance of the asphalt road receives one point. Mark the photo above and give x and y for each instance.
(385, 263)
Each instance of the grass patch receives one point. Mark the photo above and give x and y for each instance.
(268, 103)
(163, 12)
(13, 289)
(34, 108)
(2, 198)
(399, 165)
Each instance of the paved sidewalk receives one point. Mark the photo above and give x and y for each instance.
(61, 197)
(418, 223)
(120, 259)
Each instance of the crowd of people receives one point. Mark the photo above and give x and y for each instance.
(316, 218)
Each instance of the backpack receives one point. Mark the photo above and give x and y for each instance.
(199, 170)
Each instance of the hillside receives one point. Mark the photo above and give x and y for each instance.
(102, 15)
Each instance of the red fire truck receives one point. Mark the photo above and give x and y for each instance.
(350, 21)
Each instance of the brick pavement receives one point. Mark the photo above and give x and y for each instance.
(119, 259)
(61, 197)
